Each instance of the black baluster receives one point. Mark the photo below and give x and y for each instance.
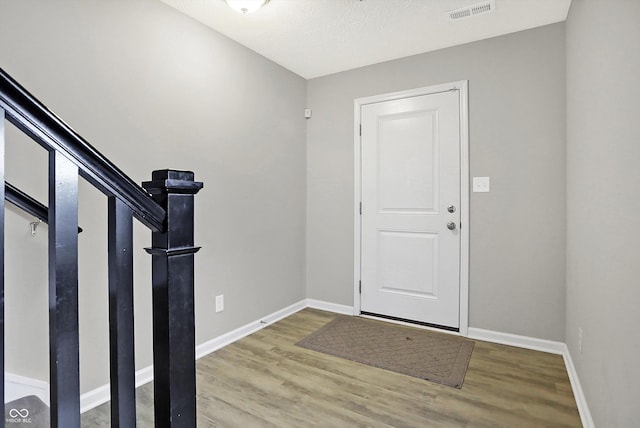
(174, 365)
(63, 292)
(121, 331)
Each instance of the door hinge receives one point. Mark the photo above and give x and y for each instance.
(360, 208)
(361, 130)
(360, 286)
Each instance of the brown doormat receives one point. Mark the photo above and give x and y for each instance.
(436, 357)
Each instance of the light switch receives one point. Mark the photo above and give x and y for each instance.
(481, 184)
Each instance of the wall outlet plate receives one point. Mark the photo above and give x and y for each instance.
(220, 303)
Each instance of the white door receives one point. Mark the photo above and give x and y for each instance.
(410, 236)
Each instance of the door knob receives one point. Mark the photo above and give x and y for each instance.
(451, 225)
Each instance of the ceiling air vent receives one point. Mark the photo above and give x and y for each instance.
(474, 9)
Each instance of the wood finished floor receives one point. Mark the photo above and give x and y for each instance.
(264, 380)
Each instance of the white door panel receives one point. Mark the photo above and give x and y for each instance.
(401, 263)
(406, 175)
(410, 260)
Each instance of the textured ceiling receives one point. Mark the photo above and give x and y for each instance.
(318, 37)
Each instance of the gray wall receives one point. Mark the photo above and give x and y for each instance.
(517, 134)
(603, 186)
(154, 89)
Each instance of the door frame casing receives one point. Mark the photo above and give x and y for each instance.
(462, 87)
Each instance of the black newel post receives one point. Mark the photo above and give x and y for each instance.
(174, 366)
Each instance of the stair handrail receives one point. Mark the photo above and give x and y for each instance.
(27, 113)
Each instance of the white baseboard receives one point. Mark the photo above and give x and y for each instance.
(100, 395)
(247, 329)
(94, 398)
(544, 346)
(19, 386)
(581, 401)
(144, 375)
(518, 341)
(330, 307)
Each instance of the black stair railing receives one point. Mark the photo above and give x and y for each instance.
(167, 208)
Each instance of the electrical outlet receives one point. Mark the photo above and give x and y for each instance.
(580, 339)
(220, 303)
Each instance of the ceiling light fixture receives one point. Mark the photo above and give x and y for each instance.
(246, 6)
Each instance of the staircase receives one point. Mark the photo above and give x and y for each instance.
(165, 204)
